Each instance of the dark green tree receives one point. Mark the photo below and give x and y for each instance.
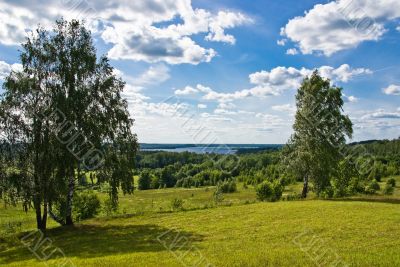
(144, 180)
(315, 149)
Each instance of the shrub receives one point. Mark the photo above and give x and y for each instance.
(355, 186)
(330, 192)
(228, 187)
(86, 205)
(372, 187)
(391, 181)
(293, 196)
(267, 191)
(144, 181)
(388, 189)
(109, 207)
(177, 204)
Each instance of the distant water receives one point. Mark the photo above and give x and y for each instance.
(197, 150)
(216, 149)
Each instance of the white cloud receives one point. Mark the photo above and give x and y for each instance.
(279, 79)
(225, 20)
(5, 69)
(281, 42)
(340, 25)
(381, 114)
(188, 90)
(202, 106)
(292, 51)
(137, 30)
(285, 108)
(344, 73)
(392, 90)
(350, 99)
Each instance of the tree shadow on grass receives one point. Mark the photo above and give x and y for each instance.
(89, 241)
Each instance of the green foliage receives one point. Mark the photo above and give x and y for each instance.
(391, 181)
(372, 187)
(65, 112)
(218, 195)
(228, 186)
(86, 205)
(267, 191)
(313, 152)
(388, 189)
(292, 197)
(341, 182)
(109, 207)
(144, 182)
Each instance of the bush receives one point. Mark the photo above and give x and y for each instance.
(391, 181)
(110, 207)
(228, 187)
(177, 204)
(86, 205)
(267, 191)
(293, 196)
(388, 189)
(144, 181)
(329, 192)
(372, 187)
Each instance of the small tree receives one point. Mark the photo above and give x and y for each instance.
(267, 191)
(144, 180)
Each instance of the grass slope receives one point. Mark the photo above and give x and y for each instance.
(260, 234)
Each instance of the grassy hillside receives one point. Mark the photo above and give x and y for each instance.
(353, 233)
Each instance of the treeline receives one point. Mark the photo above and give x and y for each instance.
(167, 169)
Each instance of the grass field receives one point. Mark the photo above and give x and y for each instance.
(241, 232)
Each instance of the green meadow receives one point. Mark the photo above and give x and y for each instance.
(239, 231)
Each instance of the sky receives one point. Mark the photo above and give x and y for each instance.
(206, 71)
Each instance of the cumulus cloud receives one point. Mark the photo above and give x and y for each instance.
(5, 69)
(151, 30)
(339, 25)
(188, 90)
(202, 106)
(392, 90)
(279, 79)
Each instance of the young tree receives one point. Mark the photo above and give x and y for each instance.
(144, 180)
(320, 129)
(66, 112)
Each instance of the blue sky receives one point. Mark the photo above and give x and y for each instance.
(206, 71)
